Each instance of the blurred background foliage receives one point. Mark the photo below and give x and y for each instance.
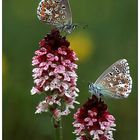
(111, 34)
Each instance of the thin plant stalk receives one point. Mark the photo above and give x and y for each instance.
(57, 129)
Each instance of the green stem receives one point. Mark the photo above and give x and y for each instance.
(57, 128)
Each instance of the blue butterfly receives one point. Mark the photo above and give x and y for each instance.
(114, 82)
(57, 13)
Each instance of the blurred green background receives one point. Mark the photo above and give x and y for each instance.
(111, 34)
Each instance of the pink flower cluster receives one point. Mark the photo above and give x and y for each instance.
(55, 75)
(93, 121)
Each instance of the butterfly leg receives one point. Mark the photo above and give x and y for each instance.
(100, 95)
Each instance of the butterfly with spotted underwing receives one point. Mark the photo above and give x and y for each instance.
(115, 82)
(56, 13)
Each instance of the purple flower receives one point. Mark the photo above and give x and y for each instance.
(54, 73)
(93, 121)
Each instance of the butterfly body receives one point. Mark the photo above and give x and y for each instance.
(115, 82)
(67, 28)
(94, 89)
(57, 13)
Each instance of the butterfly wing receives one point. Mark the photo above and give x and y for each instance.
(55, 12)
(116, 81)
(68, 13)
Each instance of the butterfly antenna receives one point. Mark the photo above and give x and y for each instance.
(81, 26)
(85, 26)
